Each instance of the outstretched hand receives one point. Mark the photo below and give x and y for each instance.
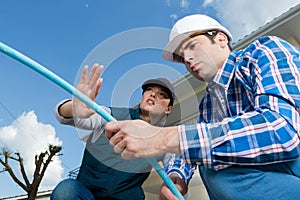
(89, 85)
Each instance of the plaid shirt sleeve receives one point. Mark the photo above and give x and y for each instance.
(269, 133)
(174, 164)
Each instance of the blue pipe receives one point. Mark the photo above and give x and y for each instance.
(72, 90)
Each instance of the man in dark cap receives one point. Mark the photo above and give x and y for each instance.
(104, 174)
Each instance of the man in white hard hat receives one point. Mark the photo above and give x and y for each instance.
(246, 141)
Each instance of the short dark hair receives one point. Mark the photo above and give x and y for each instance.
(210, 34)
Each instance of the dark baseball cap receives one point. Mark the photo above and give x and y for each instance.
(161, 82)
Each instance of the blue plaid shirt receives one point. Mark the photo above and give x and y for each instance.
(250, 114)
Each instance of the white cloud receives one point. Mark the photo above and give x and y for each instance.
(168, 2)
(174, 17)
(242, 17)
(30, 137)
(184, 4)
(207, 2)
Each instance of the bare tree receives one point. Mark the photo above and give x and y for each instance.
(41, 163)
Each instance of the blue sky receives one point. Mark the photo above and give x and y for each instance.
(126, 36)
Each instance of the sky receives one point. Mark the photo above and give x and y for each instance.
(127, 37)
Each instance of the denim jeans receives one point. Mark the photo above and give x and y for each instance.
(275, 181)
(71, 189)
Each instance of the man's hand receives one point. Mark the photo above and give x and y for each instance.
(166, 194)
(137, 138)
(89, 85)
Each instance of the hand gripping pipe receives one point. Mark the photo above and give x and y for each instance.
(72, 90)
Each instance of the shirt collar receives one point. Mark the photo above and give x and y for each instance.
(135, 113)
(224, 75)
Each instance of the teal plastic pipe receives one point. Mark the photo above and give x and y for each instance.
(72, 90)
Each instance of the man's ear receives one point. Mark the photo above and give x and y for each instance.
(169, 110)
(221, 39)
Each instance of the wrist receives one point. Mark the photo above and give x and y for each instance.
(171, 140)
(66, 109)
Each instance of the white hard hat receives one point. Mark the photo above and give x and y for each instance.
(187, 26)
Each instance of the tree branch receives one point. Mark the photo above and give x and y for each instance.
(23, 172)
(10, 171)
(41, 164)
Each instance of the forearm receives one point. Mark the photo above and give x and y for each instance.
(251, 139)
(91, 123)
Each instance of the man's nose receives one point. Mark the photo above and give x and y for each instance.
(188, 57)
(154, 93)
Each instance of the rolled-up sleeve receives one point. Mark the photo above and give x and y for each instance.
(93, 122)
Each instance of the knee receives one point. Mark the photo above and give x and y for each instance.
(66, 189)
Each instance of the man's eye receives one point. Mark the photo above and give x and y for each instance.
(163, 95)
(192, 45)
